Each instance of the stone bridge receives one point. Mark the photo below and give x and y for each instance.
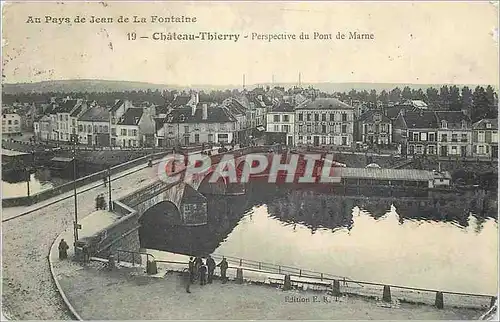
(186, 196)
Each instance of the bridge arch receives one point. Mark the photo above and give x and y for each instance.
(154, 222)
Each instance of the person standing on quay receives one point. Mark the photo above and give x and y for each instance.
(223, 268)
(203, 274)
(211, 268)
(63, 249)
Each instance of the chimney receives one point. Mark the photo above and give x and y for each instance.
(205, 111)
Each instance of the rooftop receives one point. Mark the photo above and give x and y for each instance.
(95, 114)
(389, 174)
(131, 117)
(215, 114)
(482, 124)
(421, 119)
(324, 103)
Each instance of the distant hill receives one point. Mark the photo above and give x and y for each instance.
(88, 85)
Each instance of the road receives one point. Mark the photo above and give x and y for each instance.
(28, 232)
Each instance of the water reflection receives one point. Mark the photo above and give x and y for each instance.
(447, 241)
(14, 183)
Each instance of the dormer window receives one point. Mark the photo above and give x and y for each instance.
(444, 125)
(464, 124)
(488, 125)
(182, 118)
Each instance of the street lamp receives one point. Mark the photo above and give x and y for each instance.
(109, 187)
(75, 224)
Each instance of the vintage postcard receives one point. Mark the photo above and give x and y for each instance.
(250, 160)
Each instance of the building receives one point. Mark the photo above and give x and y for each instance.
(238, 111)
(324, 121)
(11, 123)
(94, 127)
(43, 128)
(281, 124)
(454, 134)
(117, 110)
(374, 128)
(485, 138)
(196, 125)
(64, 118)
(136, 128)
(416, 132)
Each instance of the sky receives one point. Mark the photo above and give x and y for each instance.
(414, 42)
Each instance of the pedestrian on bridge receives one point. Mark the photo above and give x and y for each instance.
(223, 268)
(211, 268)
(63, 249)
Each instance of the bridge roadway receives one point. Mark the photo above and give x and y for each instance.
(29, 292)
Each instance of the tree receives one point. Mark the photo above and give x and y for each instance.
(406, 93)
(455, 100)
(444, 97)
(384, 97)
(432, 96)
(395, 95)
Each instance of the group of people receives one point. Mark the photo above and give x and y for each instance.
(100, 202)
(204, 270)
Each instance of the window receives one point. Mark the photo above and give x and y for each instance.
(276, 118)
(124, 132)
(323, 140)
(487, 149)
(301, 117)
(480, 149)
(454, 150)
(16, 122)
(419, 149)
(464, 125)
(488, 125)
(73, 121)
(80, 128)
(431, 149)
(323, 117)
(60, 117)
(113, 131)
(344, 140)
(444, 125)
(454, 138)
(480, 136)
(105, 128)
(344, 130)
(186, 128)
(276, 128)
(316, 117)
(66, 118)
(196, 138)
(308, 128)
(286, 128)
(344, 117)
(308, 117)
(432, 137)
(301, 138)
(444, 138)
(416, 136)
(383, 128)
(301, 128)
(286, 118)
(332, 117)
(100, 128)
(464, 138)
(323, 128)
(95, 128)
(134, 132)
(9, 122)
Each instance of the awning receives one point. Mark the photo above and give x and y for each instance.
(261, 128)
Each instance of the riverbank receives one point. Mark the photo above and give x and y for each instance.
(123, 294)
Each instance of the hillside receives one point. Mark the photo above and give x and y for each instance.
(87, 85)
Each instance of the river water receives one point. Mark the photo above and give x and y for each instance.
(429, 244)
(14, 185)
